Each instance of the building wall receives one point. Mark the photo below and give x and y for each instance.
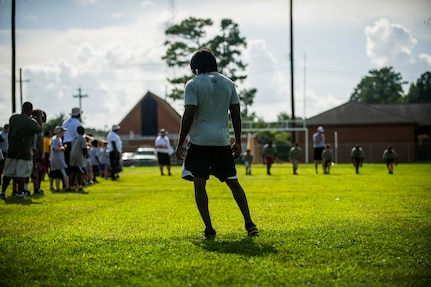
(149, 116)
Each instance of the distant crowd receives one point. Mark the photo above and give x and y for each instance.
(67, 156)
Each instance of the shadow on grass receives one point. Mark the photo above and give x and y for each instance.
(22, 201)
(246, 246)
(71, 192)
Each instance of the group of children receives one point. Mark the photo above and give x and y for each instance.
(88, 159)
(269, 151)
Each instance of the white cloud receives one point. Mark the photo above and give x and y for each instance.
(425, 58)
(389, 43)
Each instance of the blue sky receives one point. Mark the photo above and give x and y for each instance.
(113, 49)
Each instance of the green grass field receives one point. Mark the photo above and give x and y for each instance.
(343, 229)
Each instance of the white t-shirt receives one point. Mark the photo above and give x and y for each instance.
(114, 137)
(71, 124)
(163, 141)
(213, 94)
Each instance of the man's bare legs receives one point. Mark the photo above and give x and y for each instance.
(201, 198)
(240, 198)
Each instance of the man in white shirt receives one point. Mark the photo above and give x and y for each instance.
(164, 151)
(115, 147)
(70, 126)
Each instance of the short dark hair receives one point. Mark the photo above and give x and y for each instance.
(80, 130)
(27, 107)
(203, 61)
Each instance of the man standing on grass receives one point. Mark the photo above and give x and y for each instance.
(19, 160)
(318, 146)
(208, 98)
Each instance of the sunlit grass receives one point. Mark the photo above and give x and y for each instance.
(342, 229)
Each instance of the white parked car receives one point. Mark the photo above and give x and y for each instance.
(127, 158)
(145, 156)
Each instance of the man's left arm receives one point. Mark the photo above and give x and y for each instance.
(235, 113)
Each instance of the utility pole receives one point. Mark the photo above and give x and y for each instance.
(291, 71)
(20, 84)
(80, 96)
(13, 57)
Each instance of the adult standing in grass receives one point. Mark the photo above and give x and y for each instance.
(19, 160)
(208, 99)
(164, 151)
(318, 146)
(70, 126)
(390, 157)
(357, 155)
(115, 147)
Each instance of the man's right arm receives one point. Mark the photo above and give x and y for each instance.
(186, 124)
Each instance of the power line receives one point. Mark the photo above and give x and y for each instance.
(80, 96)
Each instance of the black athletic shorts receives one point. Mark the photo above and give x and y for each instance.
(203, 161)
(318, 153)
(163, 158)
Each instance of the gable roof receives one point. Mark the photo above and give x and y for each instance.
(360, 113)
(167, 116)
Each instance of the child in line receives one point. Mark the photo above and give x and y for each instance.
(78, 158)
(58, 162)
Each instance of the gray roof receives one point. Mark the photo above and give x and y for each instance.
(360, 113)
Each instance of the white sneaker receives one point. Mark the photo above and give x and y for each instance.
(20, 195)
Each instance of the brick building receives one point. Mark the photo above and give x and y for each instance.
(406, 127)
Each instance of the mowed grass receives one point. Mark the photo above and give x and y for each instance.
(342, 229)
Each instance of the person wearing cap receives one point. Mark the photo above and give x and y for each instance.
(115, 147)
(318, 146)
(19, 160)
(58, 162)
(164, 151)
(70, 126)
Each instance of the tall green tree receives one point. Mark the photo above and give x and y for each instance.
(420, 92)
(186, 38)
(51, 124)
(382, 86)
(227, 45)
(247, 98)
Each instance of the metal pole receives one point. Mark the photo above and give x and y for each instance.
(291, 69)
(13, 57)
